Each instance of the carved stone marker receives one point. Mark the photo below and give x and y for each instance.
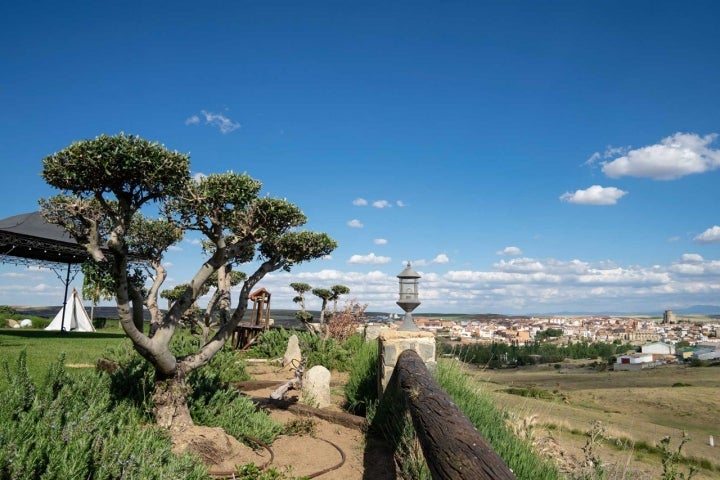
(293, 355)
(316, 387)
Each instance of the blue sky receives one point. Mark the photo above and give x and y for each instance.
(527, 157)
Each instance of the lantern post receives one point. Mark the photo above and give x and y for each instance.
(408, 296)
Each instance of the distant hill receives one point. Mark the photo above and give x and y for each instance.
(282, 317)
(699, 310)
(286, 317)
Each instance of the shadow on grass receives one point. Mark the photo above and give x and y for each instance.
(378, 459)
(43, 334)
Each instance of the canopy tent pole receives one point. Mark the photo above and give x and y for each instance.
(67, 283)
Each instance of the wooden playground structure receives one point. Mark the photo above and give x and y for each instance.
(246, 332)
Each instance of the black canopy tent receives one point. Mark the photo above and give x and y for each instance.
(27, 239)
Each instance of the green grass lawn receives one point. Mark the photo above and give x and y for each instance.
(81, 349)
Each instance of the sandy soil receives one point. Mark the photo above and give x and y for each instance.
(330, 452)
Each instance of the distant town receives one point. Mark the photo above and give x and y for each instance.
(697, 337)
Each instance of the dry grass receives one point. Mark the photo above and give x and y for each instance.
(635, 408)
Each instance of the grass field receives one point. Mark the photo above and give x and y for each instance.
(638, 409)
(81, 349)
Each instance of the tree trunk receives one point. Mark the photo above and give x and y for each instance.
(170, 402)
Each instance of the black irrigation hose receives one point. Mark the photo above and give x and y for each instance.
(272, 457)
(335, 467)
(231, 473)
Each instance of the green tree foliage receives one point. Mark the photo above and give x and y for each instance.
(548, 333)
(329, 295)
(324, 295)
(99, 284)
(497, 355)
(172, 295)
(104, 184)
(301, 289)
(338, 290)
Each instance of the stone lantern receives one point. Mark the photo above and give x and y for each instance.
(408, 296)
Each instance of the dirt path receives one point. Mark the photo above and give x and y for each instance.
(321, 449)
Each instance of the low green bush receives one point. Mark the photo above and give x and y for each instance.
(7, 310)
(533, 393)
(329, 353)
(271, 344)
(361, 389)
(88, 424)
(481, 410)
(70, 426)
(214, 404)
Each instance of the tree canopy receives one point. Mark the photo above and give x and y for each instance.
(106, 182)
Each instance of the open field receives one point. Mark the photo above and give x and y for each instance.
(642, 407)
(81, 349)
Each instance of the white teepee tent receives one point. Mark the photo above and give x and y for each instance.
(76, 318)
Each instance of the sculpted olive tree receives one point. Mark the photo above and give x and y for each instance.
(329, 295)
(106, 181)
(303, 315)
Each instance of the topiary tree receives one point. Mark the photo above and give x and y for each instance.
(338, 290)
(303, 315)
(325, 295)
(106, 181)
(215, 313)
(329, 295)
(173, 295)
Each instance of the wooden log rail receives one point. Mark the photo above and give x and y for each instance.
(452, 446)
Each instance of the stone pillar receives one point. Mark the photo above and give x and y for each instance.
(393, 342)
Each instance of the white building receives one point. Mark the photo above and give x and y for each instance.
(658, 348)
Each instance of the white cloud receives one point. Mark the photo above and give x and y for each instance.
(618, 276)
(40, 287)
(38, 268)
(520, 265)
(687, 269)
(380, 241)
(711, 235)
(516, 285)
(199, 176)
(674, 157)
(216, 120)
(608, 153)
(691, 258)
(593, 158)
(174, 248)
(359, 202)
(441, 258)
(400, 203)
(594, 195)
(381, 204)
(510, 251)
(15, 275)
(692, 264)
(369, 259)
(355, 223)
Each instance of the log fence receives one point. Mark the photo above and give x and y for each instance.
(453, 448)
